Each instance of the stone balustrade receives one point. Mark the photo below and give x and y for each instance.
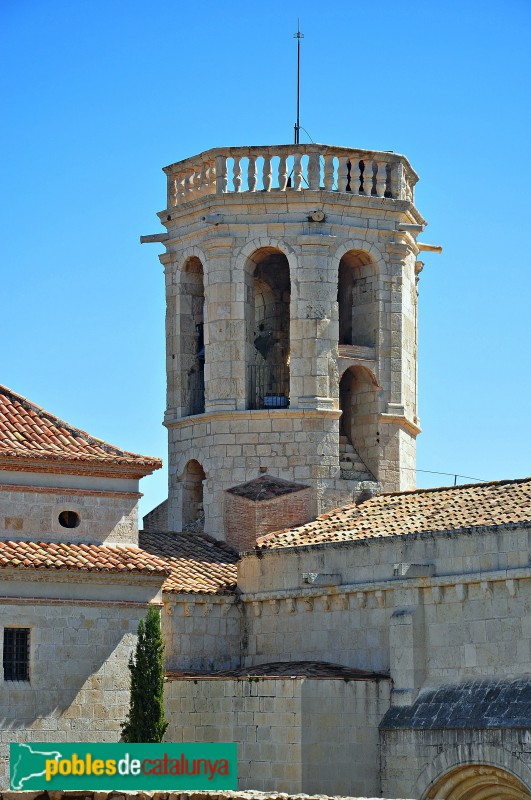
(296, 168)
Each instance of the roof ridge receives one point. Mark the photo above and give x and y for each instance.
(452, 488)
(77, 433)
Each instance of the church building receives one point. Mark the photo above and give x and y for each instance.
(354, 635)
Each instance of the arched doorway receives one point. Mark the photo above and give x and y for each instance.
(357, 301)
(193, 515)
(477, 782)
(192, 346)
(267, 323)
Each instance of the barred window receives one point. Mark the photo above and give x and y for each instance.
(16, 654)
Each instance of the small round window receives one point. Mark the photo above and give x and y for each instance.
(69, 519)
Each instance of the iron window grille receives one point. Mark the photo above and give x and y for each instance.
(16, 654)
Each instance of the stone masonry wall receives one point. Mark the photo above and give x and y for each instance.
(464, 597)
(300, 446)
(293, 735)
(79, 681)
(32, 513)
(201, 632)
(413, 760)
(286, 441)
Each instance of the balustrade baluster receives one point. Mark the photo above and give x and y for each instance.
(211, 177)
(188, 184)
(181, 178)
(329, 173)
(297, 172)
(381, 178)
(342, 173)
(267, 174)
(172, 190)
(196, 181)
(314, 171)
(221, 174)
(368, 176)
(251, 174)
(237, 174)
(282, 173)
(205, 178)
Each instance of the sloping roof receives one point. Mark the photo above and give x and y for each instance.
(323, 670)
(455, 508)
(79, 557)
(197, 562)
(265, 487)
(474, 704)
(27, 432)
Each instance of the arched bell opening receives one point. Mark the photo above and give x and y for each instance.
(193, 514)
(356, 297)
(477, 782)
(267, 322)
(192, 343)
(359, 419)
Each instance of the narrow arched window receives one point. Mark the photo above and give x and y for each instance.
(267, 318)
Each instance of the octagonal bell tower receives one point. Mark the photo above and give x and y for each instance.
(291, 331)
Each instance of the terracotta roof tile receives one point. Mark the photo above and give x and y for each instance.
(84, 557)
(29, 432)
(197, 562)
(453, 508)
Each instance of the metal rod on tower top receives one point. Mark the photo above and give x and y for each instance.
(298, 36)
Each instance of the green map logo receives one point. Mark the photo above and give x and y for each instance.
(145, 767)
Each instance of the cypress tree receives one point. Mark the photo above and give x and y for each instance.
(145, 722)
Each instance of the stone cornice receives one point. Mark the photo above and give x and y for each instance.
(74, 467)
(509, 576)
(65, 575)
(401, 421)
(59, 601)
(237, 416)
(18, 487)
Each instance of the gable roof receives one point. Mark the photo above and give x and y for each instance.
(197, 562)
(455, 508)
(28, 433)
(80, 558)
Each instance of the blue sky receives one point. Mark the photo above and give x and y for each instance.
(98, 96)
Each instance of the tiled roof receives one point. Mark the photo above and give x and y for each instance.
(265, 488)
(474, 704)
(29, 432)
(284, 669)
(197, 562)
(79, 557)
(455, 508)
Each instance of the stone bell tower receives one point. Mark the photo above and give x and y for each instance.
(291, 330)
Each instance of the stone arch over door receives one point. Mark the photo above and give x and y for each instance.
(480, 771)
(267, 284)
(478, 782)
(191, 336)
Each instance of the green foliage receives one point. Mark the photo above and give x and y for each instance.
(145, 722)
